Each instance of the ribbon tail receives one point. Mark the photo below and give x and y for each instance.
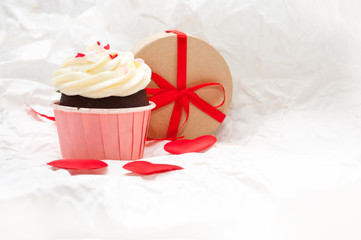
(155, 91)
(162, 139)
(175, 119)
(185, 102)
(206, 107)
(161, 82)
(163, 99)
(195, 88)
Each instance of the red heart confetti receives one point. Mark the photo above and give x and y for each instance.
(186, 145)
(40, 114)
(107, 47)
(147, 168)
(98, 43)
(80, 55)
(113, 56)
(78, 164)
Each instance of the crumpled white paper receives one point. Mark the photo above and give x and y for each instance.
(287, 161)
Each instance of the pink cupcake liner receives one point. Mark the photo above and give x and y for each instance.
(118, 134)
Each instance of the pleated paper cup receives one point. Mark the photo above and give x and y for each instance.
(89, 133)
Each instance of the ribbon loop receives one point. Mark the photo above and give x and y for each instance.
(181, 95)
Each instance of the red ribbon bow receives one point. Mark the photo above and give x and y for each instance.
(167, 93)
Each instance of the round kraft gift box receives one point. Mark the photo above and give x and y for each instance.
(204, 64)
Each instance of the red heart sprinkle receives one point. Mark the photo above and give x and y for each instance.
(147, 168)
(187, 146)
(78, 164)
(107, 47)
(80, 55)
(98, 43)
(113, 56)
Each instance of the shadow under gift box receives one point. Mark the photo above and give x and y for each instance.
(117, 134)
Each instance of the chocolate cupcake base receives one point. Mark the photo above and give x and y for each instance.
(135, 100)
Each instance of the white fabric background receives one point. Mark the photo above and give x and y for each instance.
(287, 164)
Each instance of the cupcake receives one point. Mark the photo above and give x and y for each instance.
(103, 112)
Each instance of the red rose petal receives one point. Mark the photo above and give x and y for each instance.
(98, 43)
(80, 55)
(107, 47)
(147, 168)
(186, 145)
(78, 164)
(113, 56)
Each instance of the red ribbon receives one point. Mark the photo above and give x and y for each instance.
(167, 93)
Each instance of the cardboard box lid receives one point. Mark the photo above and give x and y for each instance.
(204, 65)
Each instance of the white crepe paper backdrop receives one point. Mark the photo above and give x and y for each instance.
(287, 164)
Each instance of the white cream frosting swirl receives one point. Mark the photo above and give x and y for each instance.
(100, 73)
